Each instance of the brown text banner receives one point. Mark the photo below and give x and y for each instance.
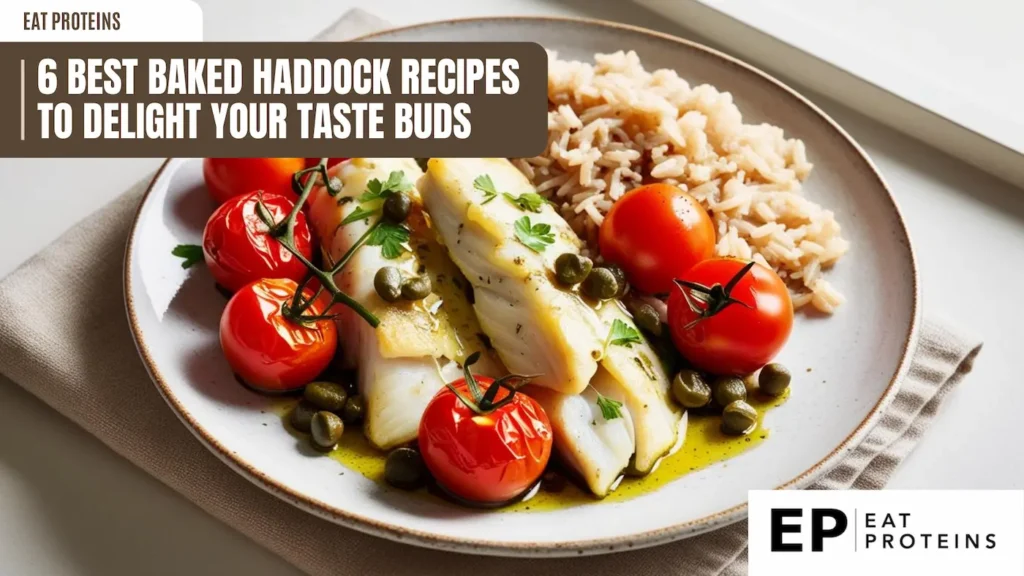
(346, 99)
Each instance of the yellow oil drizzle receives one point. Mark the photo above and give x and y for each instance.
(705, 445)
(455, 310)
(354, 451)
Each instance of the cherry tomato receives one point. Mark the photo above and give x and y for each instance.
(490, 457)
(269, 351)
(229, 177)
(742, 336)
(239, 249)
(655, 233)
(310, 162)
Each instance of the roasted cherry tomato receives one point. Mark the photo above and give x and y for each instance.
(485, 450)
(269, 351)
(229, 177)
(655, 233)
(310, 162)
(729, 316)
(239, 249)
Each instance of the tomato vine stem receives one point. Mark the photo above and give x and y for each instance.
(483, 402)
(284, 232)
(715, 298)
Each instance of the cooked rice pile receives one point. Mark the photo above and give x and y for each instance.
(613, 125)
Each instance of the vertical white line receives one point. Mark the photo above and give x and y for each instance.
(22, 100)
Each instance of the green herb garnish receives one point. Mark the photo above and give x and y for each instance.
(391, 238)
(358, 214)
(536, 237)
(376, 190)
(189, 253)
(623, 334)
(527, 202)
(610, 409)
(484, 184)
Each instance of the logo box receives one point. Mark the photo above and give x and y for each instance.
(857, 532)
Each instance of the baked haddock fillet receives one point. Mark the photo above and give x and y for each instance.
(596, 449)
(415, 350)
(536, 327)
(633, 375)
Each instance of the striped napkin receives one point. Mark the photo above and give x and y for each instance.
(64, 337)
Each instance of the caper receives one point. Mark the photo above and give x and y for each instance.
(326, 395)
(417, 288)
(738, 418)
(774, 379)
(571, 269)
(670, 358)
(388, 283)
(405, 469)
(302, 415)
(647, 318)
(620, 278)
(600, 284)
(326, 429)
(728, 389)
(690, 389)
(354, 410)
(397, 206)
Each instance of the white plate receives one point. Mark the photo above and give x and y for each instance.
(856, 356)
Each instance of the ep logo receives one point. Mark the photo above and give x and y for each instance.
(823, 523)
(858, 532)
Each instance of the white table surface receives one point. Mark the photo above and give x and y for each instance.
(68, 505)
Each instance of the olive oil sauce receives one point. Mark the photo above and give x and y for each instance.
(705, 446)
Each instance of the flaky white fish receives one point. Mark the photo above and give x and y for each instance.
(595, 448)
(633, 375)
(505, 242)
(408, 358)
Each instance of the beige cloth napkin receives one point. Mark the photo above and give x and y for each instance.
(65, 338)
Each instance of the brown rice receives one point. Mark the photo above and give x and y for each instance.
(613, 125)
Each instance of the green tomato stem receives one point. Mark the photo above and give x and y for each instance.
(284, 232)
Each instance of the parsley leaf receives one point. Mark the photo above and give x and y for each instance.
(527, 202)
(610, 408)
(189, 253)
(391, 238)
(536, 237)
(623, 334)
(484, 184)
(358, 214)
(376, 190)
(397, 182)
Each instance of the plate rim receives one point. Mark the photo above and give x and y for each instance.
(644, 539)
